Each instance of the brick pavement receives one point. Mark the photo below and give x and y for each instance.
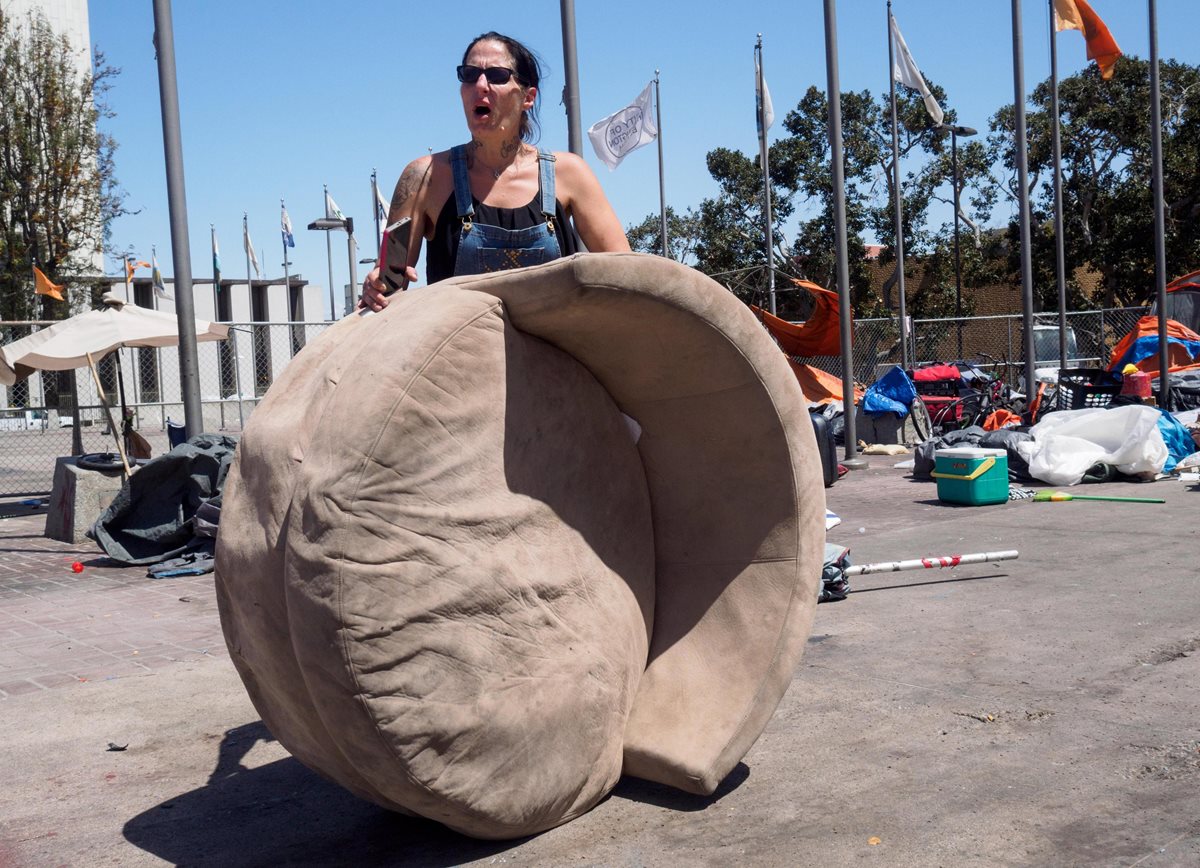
(59, 628)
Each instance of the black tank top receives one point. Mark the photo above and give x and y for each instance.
(443, 247)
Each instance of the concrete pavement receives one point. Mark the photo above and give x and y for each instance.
(1032, 712)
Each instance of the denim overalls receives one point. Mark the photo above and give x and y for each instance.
(483, 248)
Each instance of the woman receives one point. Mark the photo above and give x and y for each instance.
(498, 202)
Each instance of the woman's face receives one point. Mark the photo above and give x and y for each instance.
(494, 108)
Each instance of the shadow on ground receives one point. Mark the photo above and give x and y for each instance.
(283, 813)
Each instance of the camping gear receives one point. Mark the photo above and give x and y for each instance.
(1067, 444)
(971, 475)
(1140, 347)
(1058, 496)
(932, 563)
(825, 446)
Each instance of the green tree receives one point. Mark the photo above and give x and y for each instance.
(1107, 193)
(58, 192)
(683, 232)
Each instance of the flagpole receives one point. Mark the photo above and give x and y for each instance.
(1160, 215)
(212, 229)
(1060, 256)
(375, 210)
(898, 207)
(1023, 199)
(662, 194)
(125, 262)
(852, 461)
(763, 156)
(566, 13)
(287, 279)
(329, 257)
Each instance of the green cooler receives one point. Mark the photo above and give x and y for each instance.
(970, 475)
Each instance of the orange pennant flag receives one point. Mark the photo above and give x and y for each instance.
(43, 286)
(131, 267)
(1101, 47)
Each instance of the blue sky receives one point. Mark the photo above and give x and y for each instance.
(278, 97)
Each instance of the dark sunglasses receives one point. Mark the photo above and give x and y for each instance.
(495, 74)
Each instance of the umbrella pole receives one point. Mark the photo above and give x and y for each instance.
(108, 411)
(125, 423)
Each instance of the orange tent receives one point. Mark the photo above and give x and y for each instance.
(819, 335)
(821, 387)
(1140, 347)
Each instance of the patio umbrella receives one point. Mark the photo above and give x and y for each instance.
(78, 341)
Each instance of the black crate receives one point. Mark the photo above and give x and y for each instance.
(1086, 387)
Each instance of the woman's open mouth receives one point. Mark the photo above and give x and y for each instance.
(482, 111)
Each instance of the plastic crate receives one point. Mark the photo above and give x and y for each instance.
(1086, 387)
(940, 388)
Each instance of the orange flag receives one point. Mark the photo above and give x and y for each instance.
(43, 286)
(1101, 47)
(131, 267)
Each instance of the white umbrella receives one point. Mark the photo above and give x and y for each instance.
(77, 342)
(66, 345)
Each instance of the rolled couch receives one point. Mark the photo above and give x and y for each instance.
(519, 534)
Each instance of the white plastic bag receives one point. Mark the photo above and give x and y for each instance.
(1067, 443)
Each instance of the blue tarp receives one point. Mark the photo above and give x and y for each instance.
(1178, 439)
(891, 393)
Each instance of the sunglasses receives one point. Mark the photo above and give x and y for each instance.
(495, 74)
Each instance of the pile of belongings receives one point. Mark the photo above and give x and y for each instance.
(891, 411)
(1095, 444)
(167, 511)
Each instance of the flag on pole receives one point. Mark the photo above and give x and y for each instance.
(624, 131)
(216, 261)
(904, 70)
(764, 112)
(1101, 47)
(249, 247)
(131, 266)
(156, 278)
(286, 224)
(331, 208)
(381, 204)
(42, 285)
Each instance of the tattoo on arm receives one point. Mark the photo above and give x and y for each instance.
(410, 182)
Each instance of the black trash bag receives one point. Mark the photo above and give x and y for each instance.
(1005, 438)
(152, 518)
(923, 462)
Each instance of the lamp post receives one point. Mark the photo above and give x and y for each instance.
(955, 132)
(326, 225)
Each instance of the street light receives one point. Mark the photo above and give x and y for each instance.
(955, 132)
(327, 224)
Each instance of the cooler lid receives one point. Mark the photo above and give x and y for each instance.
(968, 452)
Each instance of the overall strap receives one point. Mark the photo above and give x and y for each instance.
(462, 183)
(546, 185)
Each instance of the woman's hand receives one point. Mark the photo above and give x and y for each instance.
(373, 297)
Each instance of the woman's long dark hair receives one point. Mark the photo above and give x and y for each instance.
(528, 70)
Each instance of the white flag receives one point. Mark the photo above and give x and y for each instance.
(904, 70)
(331, 208)
(625, 131)
(381, 203)
(249, 247)
(156, 278)
(763, 110)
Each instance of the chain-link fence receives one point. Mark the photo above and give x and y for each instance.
(994, 343)
(37, 414)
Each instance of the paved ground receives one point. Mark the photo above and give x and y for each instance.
(1033, 712)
